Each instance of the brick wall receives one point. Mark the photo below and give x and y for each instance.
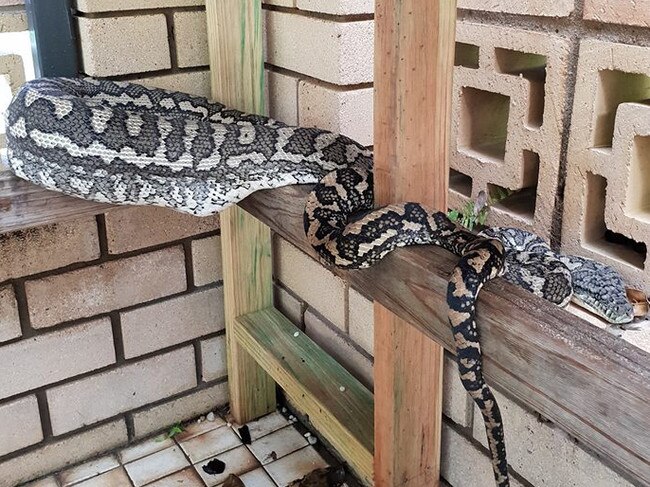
(111, 327)
(538, 84)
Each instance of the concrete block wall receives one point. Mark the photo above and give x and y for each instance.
(518, 94)
(111, 327)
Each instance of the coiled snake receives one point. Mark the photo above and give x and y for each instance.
(126, 144)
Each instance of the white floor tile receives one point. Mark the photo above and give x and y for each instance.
(184, 478)
(156, 466)
(145, 448)
(87, 470)
(257, 478)
(265, 425)
(196, 429)
(295, 466)
(113, 478)
(277, 444)
(238, 462)
(210, 444)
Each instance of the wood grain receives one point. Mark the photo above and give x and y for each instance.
(337, 404)
(591, 384)
(414, 48)
(237, 74)
(24, 205)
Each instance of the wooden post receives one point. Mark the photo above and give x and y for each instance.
(235, 41)
(414, 49)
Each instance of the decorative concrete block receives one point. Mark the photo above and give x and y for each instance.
(508, 100)
(636, 12)
(607, 202)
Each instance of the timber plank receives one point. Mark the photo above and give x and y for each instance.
(235, 43)
(24, 205)
(414, 49)
(338, 405)
(591, 384)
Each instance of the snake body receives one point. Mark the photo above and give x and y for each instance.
(126, 144)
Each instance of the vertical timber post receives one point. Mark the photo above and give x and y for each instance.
(414, 49)
(235, 39)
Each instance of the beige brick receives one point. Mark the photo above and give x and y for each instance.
(456, 403)
(339, 347)
(92, 399)
(464, 465)
(361, 321)
(206, 259)
(13, 21)
(289, 306)
(311, 282)
(9, 320)
(608, 181)
(337, 52)
(283, 97)
(507, 123)
(12, 76)
(105, 287)
(544, 454)
(187, 407)
(345, 112)
(22, 424)
(49, 247)
(55, 356)
(118, 5)
(119, 45)
(338, 7)
(191, 34)
(541, 8)
(280, 3)
(59, 454)
(635, 12)
(172, 322)
(213, 357)
(138, 227)
(193, 82)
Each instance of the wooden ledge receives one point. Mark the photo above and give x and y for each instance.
(24, 205)
(593, 385)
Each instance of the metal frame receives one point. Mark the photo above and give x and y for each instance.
(53, 36)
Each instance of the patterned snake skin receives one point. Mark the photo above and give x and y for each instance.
(125, 144)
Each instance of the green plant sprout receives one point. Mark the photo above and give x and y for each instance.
(476, 212)
(174, 430)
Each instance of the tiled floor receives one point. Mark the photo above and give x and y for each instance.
(278, 454)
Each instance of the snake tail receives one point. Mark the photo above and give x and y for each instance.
(482, 260)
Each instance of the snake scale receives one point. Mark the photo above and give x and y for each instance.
(122, 143)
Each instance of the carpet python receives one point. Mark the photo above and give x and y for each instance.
(122, 143)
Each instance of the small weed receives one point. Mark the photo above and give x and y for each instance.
(173, 431)
(476, 212)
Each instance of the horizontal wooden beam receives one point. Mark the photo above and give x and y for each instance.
(24, 205)
(337, 404)
(593, 385)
